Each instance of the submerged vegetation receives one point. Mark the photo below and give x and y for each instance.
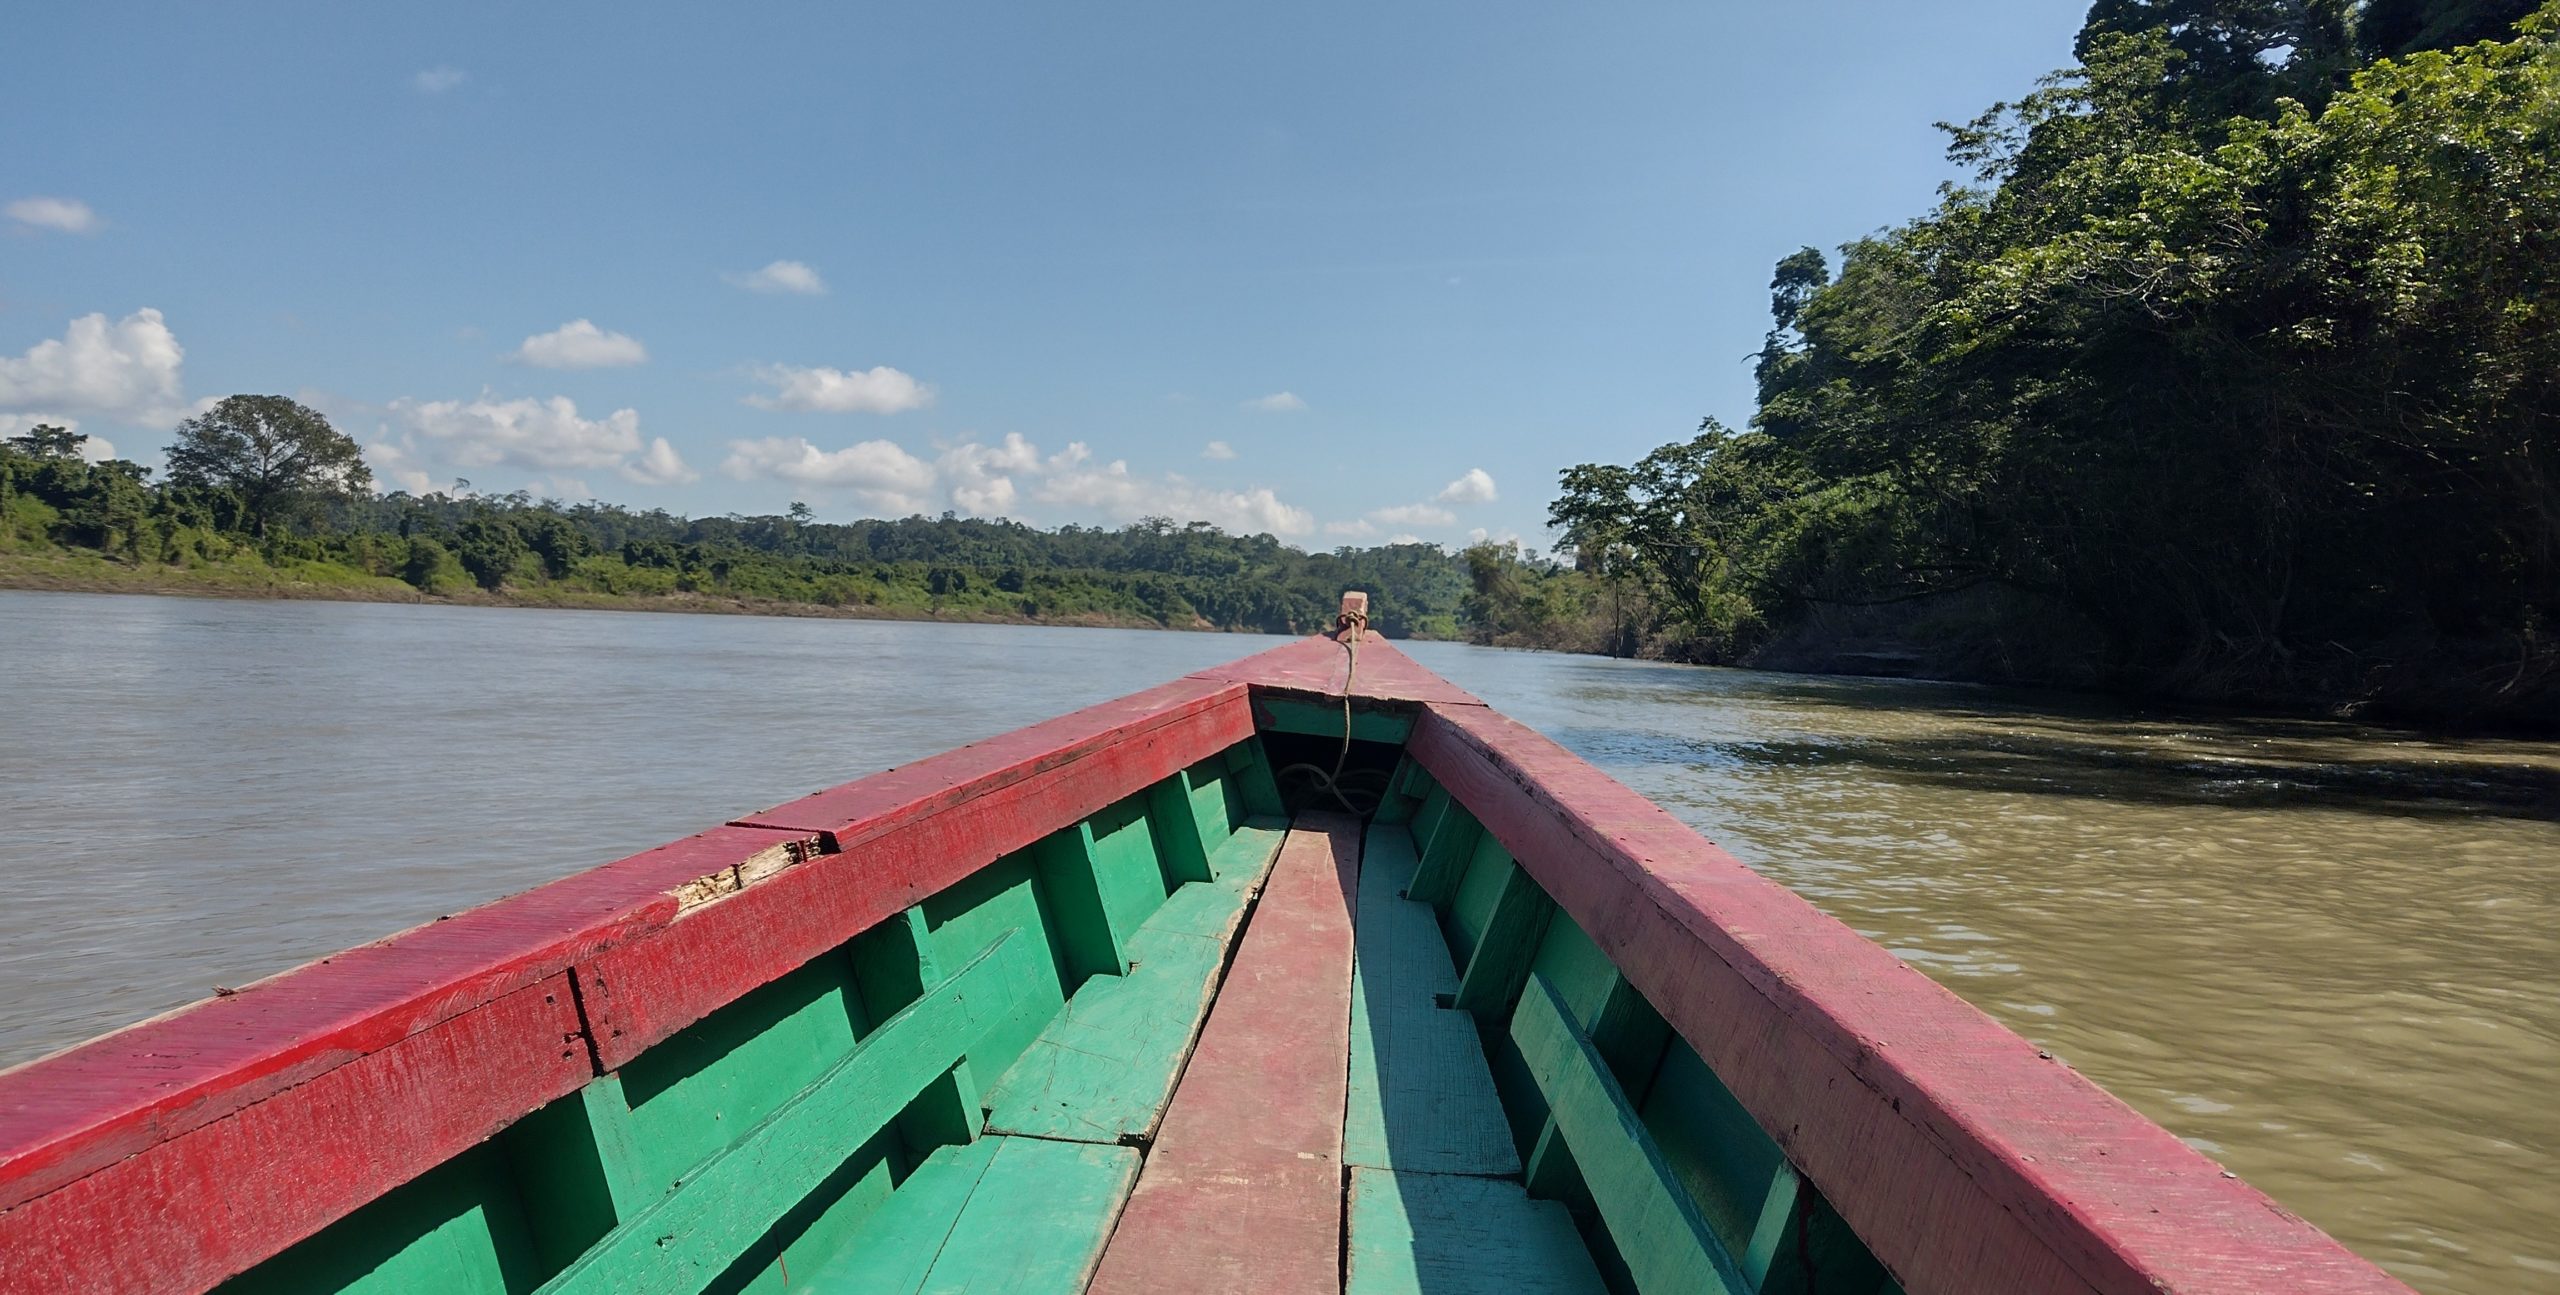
(265, 498)
(2233, 372)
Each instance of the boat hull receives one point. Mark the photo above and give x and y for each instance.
(779, 1041)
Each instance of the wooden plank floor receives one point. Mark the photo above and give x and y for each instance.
(1022, 1216)
(1244, 1189)
(1421, 1098)
(1101, 1071)
(1455, 1234)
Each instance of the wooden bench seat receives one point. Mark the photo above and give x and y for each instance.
(1243, 1189)
(998, 1216)
(1102, 1069)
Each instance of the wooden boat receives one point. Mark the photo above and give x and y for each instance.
(1150, 997)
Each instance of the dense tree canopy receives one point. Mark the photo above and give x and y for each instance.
(277, 458)
(2238, 366)
(238, 501)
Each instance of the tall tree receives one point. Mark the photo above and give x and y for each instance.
(2392, 28)
(277, 457)
(45, 441)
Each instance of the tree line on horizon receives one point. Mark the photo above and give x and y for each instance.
(2231, 371)
(266, 485)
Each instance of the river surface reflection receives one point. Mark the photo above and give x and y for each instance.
(2328, 955)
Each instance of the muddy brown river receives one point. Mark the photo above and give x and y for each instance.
(2326, 954)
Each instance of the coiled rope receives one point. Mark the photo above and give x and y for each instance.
(1348, 628)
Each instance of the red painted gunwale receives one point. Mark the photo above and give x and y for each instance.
(177, 1152)
(1964, 1158)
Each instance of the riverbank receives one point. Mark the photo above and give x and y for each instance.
(75, 572)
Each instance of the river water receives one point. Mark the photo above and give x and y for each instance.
(2327, 955)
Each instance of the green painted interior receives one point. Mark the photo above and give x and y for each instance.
(762, 1143)
(1324, 719)
(961, 1092)
(1670, 1182)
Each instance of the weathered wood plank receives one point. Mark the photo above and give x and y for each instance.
(1243, 1190)
(1176, 825)
(114, 1097)
(1217, 803)
(1276, 714)
(1510, 938)
(1446, 853)
(1315, 666)
(176, 1217)
(1665, 1242)
(728, 1202)
(1420, 1098)
(895, 964)
(1964, 1159)
(1250, 766)
(894, 1250)
(904, 835)
(1440, 1234)
(1255, 844)
(1777, 1219)
(1002, 1216)
(1101, 1071)
(1071, 877)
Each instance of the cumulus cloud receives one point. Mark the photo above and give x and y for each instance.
(879, 390)
(981, 477)
(1413, 515)
(879, 472)
(542, 435)
(1354, 529)
(65, 215)
(127, 371)
(396, 467)
(438, 79)
(1476, 487)
(659, 465)
(1123, 496)
(792, 278)
(1278, 402)
(1217, 450)
(579, 344)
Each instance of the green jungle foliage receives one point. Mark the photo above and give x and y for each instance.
(2233, 373)
(264, 495)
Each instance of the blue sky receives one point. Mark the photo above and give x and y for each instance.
(1344, 273)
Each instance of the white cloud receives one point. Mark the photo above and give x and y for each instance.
(1413, 515)
(793, 278)
(572, 489)
(1476, 487)
(1278, 402)
(438, 79)
(396, 467)
(68, 215)
(659, 465)
(880, 390)
(879, 472)
(545, 435)
(1217, 450)
(982, 476)
(1122, 496)
(126, 371)
(1354, 529)
(579, 344)
(1407, 538)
